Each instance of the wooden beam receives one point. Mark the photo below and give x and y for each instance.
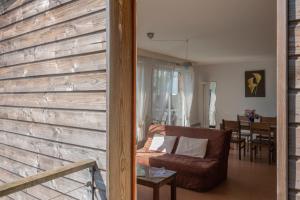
(31, 181)
(120, 120)
(282, 100)
(133, 121)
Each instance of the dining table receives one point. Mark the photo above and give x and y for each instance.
(245, 125)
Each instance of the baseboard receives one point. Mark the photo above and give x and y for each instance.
(198, 124)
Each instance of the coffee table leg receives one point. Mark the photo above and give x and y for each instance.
(156, 193)
(173, 189)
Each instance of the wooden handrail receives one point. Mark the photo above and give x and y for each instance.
(46, 176)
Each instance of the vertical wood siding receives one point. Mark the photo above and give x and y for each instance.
(52, 93)
(294, 99)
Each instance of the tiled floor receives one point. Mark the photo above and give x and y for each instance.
(246, 181)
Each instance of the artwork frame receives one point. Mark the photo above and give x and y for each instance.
(255, 83)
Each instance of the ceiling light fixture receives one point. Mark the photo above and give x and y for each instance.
(186, 63)
(150, 35)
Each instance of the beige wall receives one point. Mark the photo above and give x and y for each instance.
(230, 90)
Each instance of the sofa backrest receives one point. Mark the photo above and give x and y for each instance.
(218, 140)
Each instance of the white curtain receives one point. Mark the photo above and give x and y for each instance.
(212, 106)
(187, 91)
(143, 97)
(162, 88)
(206, 104)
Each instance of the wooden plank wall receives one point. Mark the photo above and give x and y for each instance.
(294, 99)
(52, 93)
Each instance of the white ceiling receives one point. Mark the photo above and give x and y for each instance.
(220, 31)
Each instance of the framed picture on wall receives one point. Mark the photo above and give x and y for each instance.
(255, 84)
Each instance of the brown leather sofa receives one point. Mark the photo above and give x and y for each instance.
(192, 173)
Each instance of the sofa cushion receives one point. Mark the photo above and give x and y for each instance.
(191, 147)
(185, 164)
(162, 143)
(217, 139)
(178, 163)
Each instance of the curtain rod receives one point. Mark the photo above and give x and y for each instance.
(140, 58)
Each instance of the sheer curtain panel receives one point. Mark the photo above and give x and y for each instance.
(162, 89)
(187, 91)
(143, 97)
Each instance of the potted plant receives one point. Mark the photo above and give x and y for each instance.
(250, 113)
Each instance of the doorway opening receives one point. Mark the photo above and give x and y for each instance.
(206, 99)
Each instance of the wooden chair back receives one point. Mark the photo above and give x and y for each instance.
(233, 126)
(260, 129)
(244, 122)
(228, 125)
(269, 120)
(242, 118)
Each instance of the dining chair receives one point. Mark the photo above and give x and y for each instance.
(272, 121)
(243, 119)
(244, 125)
(269, 120)
(236, 138)
(257, 130)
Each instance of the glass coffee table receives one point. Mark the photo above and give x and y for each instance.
(156, 178)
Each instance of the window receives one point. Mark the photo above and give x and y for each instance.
(175, 83)
(166, 98)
